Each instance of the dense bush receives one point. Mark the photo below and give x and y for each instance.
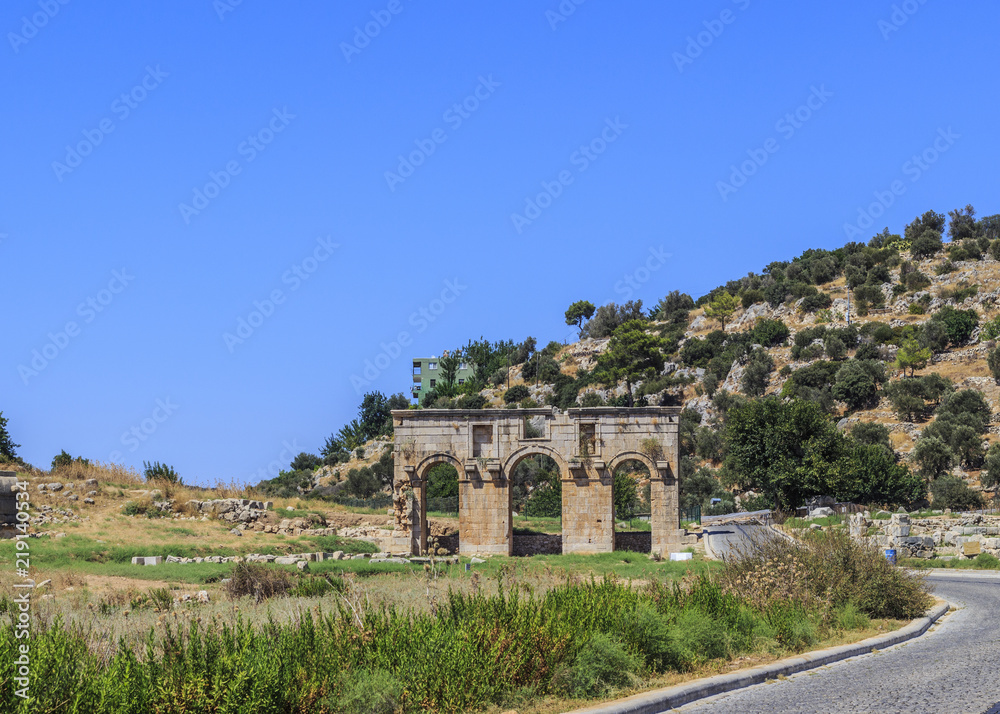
(770, 333)
(791, 450)
(828, 567)
(954, 493)
(818, 301)
(959, 324)
(516, 394)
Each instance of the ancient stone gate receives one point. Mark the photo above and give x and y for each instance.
(486, 445)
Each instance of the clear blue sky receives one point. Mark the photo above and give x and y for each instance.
(256, 147)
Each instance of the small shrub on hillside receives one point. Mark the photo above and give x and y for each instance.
(770, 333)
(156, 470)
(945, 268)
(517, 393)
(818, 301)
(916, 308)
(917, 281)
(64, 460)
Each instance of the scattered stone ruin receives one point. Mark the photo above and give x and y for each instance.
(485, 446)
(959, 536)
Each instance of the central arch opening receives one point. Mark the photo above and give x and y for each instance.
(536, 501)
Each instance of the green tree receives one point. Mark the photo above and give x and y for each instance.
(625, 497)
(926, 245)
(933, 456)
(63, 459)
(789, 450)
(993, 361)
(610, 317)
(757, 373)
(722, 308)
(934, 336)
(911, 356)
(362, 482)
(578, 312)
(632, 354)
(835, 347)
(870, 433)
(857, 383)
(959, 324)
(674, 307)
(8, 449)
(442, 481)
(990, 475)
(871, 475)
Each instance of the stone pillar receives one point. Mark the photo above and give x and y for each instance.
(409, 515)
(664, 501)
(588, 524)
(484, 523)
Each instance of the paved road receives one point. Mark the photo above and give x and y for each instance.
(951, 669)
(724, 540)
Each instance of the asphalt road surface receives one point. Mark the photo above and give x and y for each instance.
(721, 541)
(953, 668)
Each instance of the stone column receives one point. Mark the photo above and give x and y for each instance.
(484, 523)
(588, 524)
(664, 501)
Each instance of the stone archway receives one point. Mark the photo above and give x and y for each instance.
(486, 444)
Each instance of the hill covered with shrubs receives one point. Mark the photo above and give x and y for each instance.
(867, 373)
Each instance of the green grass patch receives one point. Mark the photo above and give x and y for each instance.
(536, 525)
(834, 520)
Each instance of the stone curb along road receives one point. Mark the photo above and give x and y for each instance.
(662, 700)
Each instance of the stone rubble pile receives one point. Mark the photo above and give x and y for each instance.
(929, 537)
(234, 510)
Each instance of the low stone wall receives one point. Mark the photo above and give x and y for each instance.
(634, 541)
(542, 544)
